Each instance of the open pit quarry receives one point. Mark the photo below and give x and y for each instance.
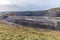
(34, 21)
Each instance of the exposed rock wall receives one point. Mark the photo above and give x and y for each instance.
(37, 22)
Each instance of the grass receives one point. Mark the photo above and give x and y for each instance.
(11, 32)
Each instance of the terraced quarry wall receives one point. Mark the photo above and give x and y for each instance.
(37, 22)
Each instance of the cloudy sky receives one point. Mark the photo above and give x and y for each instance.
(19, 5)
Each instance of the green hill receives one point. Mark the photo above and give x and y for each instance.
(12, 32)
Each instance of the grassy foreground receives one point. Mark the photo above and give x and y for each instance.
(11, 32)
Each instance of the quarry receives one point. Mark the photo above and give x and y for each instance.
(35, 21)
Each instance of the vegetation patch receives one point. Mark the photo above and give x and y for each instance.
(11, 32)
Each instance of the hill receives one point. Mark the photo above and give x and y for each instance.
(12, 32)
(53, 12)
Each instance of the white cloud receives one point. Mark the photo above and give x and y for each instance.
(5, 2)
(31, 4)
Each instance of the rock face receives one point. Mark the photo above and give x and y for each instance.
(33, 21)
(55, 12)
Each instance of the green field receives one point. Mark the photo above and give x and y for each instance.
(11, 32)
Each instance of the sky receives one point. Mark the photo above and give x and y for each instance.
(28, 5)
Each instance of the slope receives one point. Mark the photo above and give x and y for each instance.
(12, 32)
